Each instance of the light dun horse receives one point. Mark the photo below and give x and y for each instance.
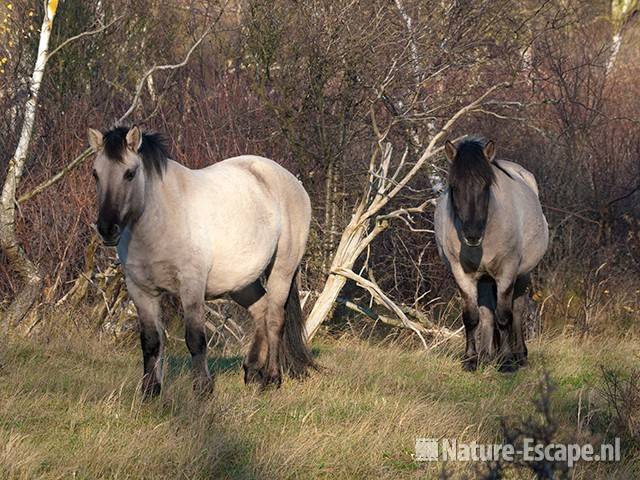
(491, 232)
(228, 228)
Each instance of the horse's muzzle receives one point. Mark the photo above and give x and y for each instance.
(473, 241)
(112, 242)
(110, 234)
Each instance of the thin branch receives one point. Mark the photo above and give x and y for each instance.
(81, 35)
(157, 68)
(57, 177)
(404, 214)
(572, 214)
(626, 195)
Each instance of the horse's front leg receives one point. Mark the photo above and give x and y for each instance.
(470, 317)
(148, 307)
(192, 299)
(486, 328)
(504, 320)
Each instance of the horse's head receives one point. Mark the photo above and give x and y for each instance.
(126, 161)
(470, 180)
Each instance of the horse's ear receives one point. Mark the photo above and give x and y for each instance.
(134, 138)
(449, 150)
(490, 151)
(95, 138)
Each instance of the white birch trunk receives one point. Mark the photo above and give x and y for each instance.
(15, 254)
(615, 49)
(621, 12)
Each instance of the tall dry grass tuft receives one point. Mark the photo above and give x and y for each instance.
(70, 405)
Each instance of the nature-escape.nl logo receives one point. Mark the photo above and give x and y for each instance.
(448, 449)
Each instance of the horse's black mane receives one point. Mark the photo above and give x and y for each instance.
(470, 165)
(154, 150)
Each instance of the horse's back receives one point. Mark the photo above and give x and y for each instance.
(253, 206)
(521, 198)
(280, 185)
(265, 174)
(521, 173)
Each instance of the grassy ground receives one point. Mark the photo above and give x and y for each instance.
(69, 409)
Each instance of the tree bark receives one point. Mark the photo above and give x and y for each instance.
(344, 256)
(18, 260)
(327, 247)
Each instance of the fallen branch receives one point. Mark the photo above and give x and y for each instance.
(426, 326)
(380, 297)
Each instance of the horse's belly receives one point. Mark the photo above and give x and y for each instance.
(234, 268)
(536, 240)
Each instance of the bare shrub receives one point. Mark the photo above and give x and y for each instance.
(621, 392)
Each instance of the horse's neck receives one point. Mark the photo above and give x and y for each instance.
(161, 198)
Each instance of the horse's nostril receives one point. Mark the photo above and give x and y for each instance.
(115, 229)
(472, 240)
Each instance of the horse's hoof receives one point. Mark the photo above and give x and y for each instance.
(151, 390)
(253, 374)
(520, 358)
(470, 364)
(485, 358)
(203, 387)
(272, 380)
(508, 365)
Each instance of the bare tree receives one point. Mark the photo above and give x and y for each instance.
(385, 183)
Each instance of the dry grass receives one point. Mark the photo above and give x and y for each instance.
(69, 409)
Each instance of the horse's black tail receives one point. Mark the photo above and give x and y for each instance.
(295, 355)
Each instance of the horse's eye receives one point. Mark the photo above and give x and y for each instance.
(130, 174)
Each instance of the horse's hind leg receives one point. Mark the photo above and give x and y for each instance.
(148, 307)
(518, 345)
(288, 350)
(192, 298)
(277, 292)
(253, 298)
